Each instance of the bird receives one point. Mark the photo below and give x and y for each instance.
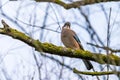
(70, 39)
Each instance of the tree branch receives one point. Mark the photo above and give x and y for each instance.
(75, 4)
(105, 48)
(59, 50)
(96, 73)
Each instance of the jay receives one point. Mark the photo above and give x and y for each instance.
(71, 40)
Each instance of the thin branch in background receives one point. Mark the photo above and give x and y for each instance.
(88, 29)
(31, 34)
(32, 20)
(89, 26)
(44, 22)
(3, 4)
(19, 26)
(10, 19)
(61, 16)
(39, 65)
(5, 73)
(41, 27)
(50, 15)
(104, 11)
(108, 40)
(114, 21)
(18, 11)
(62, 64)
(105, 48)
(108, 31)
(61, 69)
(56, 17)
(13, 21)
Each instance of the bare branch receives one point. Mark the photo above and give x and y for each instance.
(105, 48)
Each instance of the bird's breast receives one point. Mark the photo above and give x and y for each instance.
(68, 40)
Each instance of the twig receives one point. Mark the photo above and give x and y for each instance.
(105, 48)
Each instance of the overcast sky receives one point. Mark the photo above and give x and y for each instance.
(17, 59)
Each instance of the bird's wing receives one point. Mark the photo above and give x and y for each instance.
(78, 40)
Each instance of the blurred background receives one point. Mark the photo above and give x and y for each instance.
(43, 21)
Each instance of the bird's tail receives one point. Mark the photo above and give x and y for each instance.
(88, 64)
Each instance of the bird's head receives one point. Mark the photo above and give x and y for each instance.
(66, 25)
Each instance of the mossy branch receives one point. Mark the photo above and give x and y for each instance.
(75, 4)
(96, 73)
(59, 50)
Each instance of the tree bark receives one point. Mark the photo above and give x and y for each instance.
(75, 4)
(59, 50)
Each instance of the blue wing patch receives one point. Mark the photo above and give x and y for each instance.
(78, 40)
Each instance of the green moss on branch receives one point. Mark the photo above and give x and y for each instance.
(59, 50)
(75, 4)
